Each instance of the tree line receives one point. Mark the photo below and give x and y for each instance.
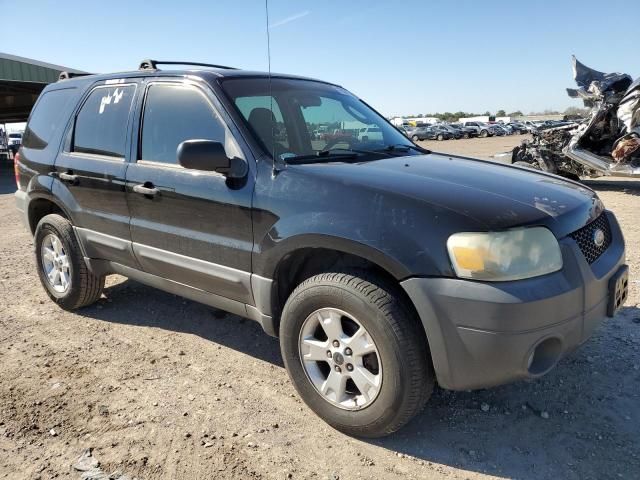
(453, 116)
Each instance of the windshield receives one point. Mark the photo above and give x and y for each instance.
(294, 117)
(15, 135)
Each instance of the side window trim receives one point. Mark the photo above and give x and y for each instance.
(69, 137)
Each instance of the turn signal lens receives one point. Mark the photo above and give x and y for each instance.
(468, 258)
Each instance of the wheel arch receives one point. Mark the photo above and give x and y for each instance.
(40, 206)
(304, 262)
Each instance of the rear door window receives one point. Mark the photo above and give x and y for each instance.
(50, 111)
(101, 124)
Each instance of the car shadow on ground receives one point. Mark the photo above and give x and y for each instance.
(132, 303)
(549, 427)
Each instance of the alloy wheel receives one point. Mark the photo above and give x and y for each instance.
(340, 359)
(55, 263)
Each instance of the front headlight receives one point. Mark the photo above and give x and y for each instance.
(500, 256)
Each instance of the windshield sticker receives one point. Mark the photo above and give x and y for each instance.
(107, 99)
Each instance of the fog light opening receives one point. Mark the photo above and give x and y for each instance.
(544, 356)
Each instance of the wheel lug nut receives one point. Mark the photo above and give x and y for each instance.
(338, 369)
(349, 367)
(329, 354)
(336, 343)
(347, 351)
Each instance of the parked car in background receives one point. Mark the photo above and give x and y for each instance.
(467, 132)
(482, 129)
(336, 136)
(453, 132)
(370, 133)
(518, 127)
(429, 133)
(497, 129)
(530, 126)
(407, 130)
(509, 128)
(14, 140)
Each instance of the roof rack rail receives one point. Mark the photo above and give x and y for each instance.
(67, 75)
(149, 64)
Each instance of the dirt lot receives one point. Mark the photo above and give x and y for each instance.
(160, 387)
(485, 148)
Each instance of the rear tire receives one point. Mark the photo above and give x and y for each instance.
(440, 137)
(415, 138)
(69, 282)
(406, 377)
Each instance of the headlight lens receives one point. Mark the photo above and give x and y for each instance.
(500, 256)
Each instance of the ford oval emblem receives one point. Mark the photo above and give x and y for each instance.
(598, 237)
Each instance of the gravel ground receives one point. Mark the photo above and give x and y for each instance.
(160, 387)
(486, 148)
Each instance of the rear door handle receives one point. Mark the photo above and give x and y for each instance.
(68, 177)
(142, 190)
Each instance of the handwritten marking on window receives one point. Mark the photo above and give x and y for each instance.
(114, 98)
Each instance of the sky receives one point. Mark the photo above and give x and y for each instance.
(401, 57)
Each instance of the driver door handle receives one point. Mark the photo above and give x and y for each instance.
(68, 177)
(142, 190)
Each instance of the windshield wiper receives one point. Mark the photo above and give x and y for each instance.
(321, 157)
(403, 147)
(338, 154)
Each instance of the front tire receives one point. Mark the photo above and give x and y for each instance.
(61, 267)
(440, 137)
(379, 374)
(484, 134)
(415, 138)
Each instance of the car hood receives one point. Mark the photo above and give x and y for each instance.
(492, 196)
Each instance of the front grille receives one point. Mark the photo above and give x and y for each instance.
(585, 238)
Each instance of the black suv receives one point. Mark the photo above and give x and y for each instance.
(382, 267)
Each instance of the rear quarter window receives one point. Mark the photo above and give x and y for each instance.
(51, 110)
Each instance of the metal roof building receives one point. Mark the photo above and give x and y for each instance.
(21, 81)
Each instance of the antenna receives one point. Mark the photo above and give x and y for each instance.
(273, 148)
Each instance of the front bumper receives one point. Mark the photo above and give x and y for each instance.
(484, 334)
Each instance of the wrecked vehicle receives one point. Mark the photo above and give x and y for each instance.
(606, 143)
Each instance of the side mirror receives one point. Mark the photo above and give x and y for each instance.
(210, 156)
(205, 155)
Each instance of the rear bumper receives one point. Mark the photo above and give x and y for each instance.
(485, 334)
(22, 204)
